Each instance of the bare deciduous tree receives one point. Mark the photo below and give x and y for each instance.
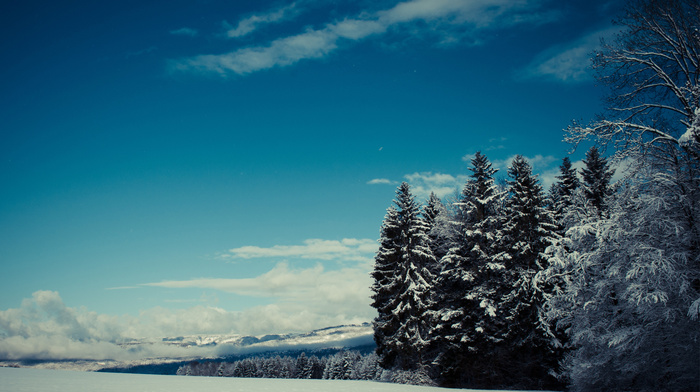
(652, 71)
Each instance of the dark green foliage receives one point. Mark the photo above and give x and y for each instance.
(517, 346)
(464, 286)
(564, 189)
(403, 280)
(596, 179)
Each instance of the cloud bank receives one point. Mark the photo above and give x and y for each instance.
(298, 300)
(44, 328)
(451, 20)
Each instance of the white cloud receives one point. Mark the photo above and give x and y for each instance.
(422, 184)
(322, 293)
(549, 177)
(355, 29)
(479, 13)
(538, 162)
(542, 165)
(281, 52)
(468, 157)
(187, 31)
(250, 24)
(298, 300)
(43, 327)
(347, 249)
(383, 181)
(471, 15)
(569, 62)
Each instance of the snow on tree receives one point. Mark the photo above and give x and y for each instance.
(367, 368)
(439, 226)
(629, 283)
(632, 276)
(342, 365)
(466, 301)
(652, 71)
(519, 344)
(564, 189)
(386, 288)
(596, 179)
(402, 285)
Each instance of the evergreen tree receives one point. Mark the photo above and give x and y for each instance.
(386, 287)
(596, 179)
(524, 352)
(302, 368)
(564, 189)
(313, 369)
(403, 283)
(438, 223)
(465, 280)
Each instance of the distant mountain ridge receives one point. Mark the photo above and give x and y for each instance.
(166, 352)
(320, 337)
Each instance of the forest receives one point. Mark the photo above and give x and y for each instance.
(589, 285)
(341, 365)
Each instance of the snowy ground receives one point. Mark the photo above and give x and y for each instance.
(41, 380)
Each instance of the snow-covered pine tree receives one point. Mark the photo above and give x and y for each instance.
(386, 287)
(596, 179)
(439, 225)
(403, 285)
(313, 369)
(301, 367)
(564, 188)
(468, 271)
(523, 351)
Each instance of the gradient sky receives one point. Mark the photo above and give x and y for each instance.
(200, 166)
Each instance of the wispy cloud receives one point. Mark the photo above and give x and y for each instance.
(347, 287)
(251, 23)
(537, 162)
(381, 181)
(469, 17)
(347, 249)
(284, 51)
(569, 62)
(302, 298)
(425, 183)
(186, 31)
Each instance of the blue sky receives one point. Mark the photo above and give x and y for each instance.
(224, 166)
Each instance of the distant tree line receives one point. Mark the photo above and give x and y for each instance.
(590, 285)
(343, 365)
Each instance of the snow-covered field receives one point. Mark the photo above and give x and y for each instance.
(42, 380)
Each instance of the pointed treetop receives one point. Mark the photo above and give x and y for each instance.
(596, 178)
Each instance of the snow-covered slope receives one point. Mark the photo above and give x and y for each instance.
(340, 336)
(35, 380)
